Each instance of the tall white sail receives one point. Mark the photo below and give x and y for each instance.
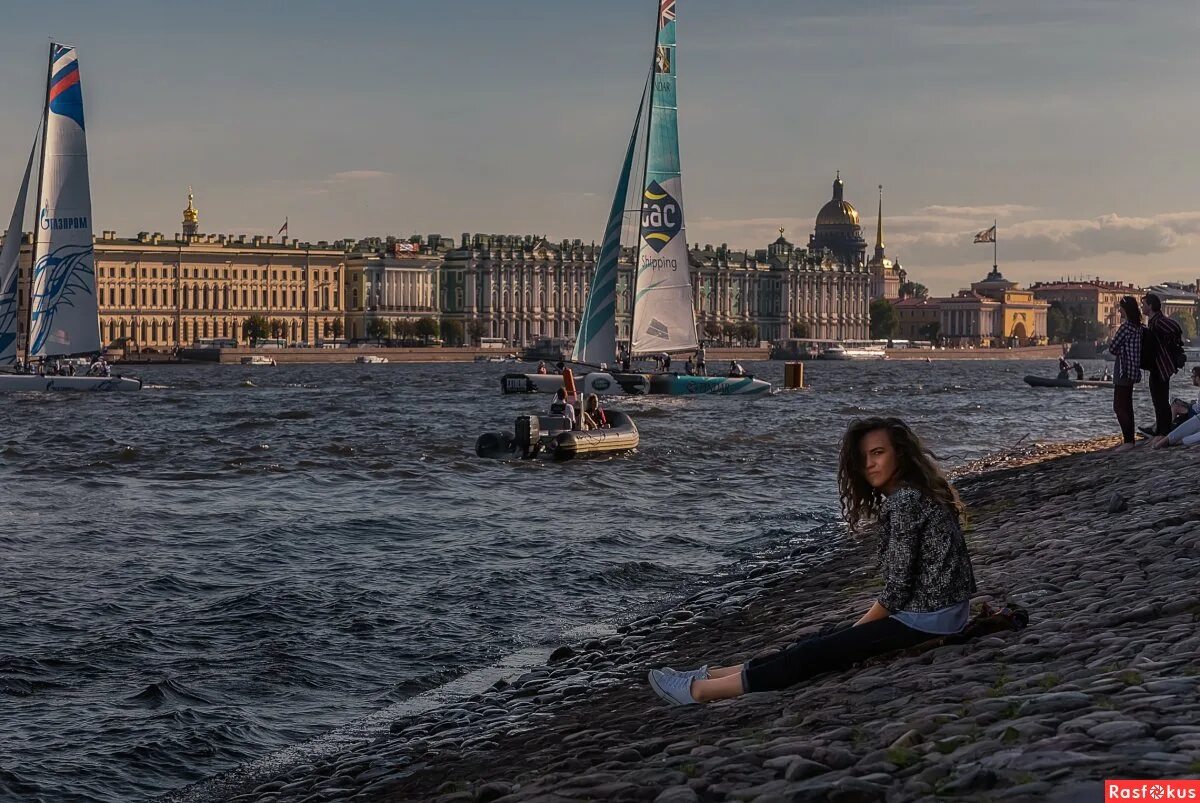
(64, 317)
(663, 317)
(10, 256)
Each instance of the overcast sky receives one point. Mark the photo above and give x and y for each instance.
(1072, 122)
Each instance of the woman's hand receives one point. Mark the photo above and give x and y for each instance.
(876, 611)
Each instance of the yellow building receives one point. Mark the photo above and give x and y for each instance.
(159, 293)
(994, 312)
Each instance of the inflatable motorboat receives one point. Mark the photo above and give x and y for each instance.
(551, 437)
(1055, 382)
(603, 383)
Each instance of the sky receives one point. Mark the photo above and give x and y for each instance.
(1072, 123)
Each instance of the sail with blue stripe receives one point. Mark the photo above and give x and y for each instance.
(64, 313)
(596, 342)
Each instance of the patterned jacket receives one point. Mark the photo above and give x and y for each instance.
(922, 555)
(1126, 346)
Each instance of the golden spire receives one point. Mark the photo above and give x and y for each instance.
(781, 231)
(879, 228)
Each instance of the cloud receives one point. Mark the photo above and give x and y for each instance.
(998, 210)
(358, 175)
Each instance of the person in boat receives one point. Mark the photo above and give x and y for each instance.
(889, 482)
(1078, 369)
(560, 406)
(593, 414)
(701, 368)
(1064, 367)
(736, 369)
(689, 368)
(666, 362)
(625, 362)
(541, 369)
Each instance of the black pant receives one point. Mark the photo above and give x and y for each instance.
(1160, 394)
(1123, 407)
(830, 650)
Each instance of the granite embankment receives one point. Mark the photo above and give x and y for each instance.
(1101, 549)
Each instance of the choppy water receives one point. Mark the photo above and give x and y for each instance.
(200, 574)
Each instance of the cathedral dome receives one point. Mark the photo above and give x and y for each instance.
(837, 211)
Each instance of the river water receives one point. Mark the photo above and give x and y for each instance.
(204, 573)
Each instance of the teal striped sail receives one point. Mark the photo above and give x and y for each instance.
(663, 317)
(596, 341)
(10, 255)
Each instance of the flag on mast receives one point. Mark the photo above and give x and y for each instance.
(283, 229)
(986, 236)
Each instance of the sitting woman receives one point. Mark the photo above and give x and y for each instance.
(1186, 430)
(889, 479)
(593, 415)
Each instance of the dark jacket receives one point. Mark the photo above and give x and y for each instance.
(922, 555)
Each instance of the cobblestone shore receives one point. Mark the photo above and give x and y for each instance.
(1101, 549)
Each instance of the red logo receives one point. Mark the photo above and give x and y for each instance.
(1151, 790)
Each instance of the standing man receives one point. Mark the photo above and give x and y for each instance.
(1166, 344)
(701, 370)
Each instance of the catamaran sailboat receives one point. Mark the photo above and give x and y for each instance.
(64, 317)
(664, 321)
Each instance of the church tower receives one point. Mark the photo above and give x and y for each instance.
(191, 219)
(887, 277)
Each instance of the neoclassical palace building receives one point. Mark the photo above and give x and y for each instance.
(521, 288)
(159, 293)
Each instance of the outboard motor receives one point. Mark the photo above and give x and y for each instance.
(528, 435)
(495, 445)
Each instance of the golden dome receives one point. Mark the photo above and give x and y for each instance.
(838, 213)
(191, 214)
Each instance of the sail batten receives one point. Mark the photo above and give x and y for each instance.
(64, 314)
(663, 316)
(10, 256)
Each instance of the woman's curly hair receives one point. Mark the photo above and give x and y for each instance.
(917, 466)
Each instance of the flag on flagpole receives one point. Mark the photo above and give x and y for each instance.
(283, 229)
(986, 236)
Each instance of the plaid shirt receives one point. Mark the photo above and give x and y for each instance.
(1126, 346)
(1167, 333)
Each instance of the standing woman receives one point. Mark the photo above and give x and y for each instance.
(889, 479)
(1126, 346)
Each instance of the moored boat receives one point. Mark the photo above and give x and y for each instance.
(1055, 382)
(853, 352)
(370, 359)
(258, 359)
(552, 438)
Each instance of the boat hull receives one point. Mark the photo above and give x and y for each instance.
(1054, 382)
(548, 437)
(20, 383)
(604, 384)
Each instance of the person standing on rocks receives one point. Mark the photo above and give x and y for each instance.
(887, 479)
(1165, 357)
(1126, 346)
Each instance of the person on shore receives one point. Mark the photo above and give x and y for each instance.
(1162, 356)
(701, 367)
(736, 369)
(593, 413)
(542, 369)
(560, 406)
(1126, 346)
(1186, 431)
(888, 480)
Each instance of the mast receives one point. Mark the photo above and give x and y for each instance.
(40, 200)
(648, 99)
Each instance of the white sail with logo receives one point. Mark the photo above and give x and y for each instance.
(664, 319)
(10, 256)
(64, 316)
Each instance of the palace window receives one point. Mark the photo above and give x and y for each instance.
(154, 297)
(274, 298)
